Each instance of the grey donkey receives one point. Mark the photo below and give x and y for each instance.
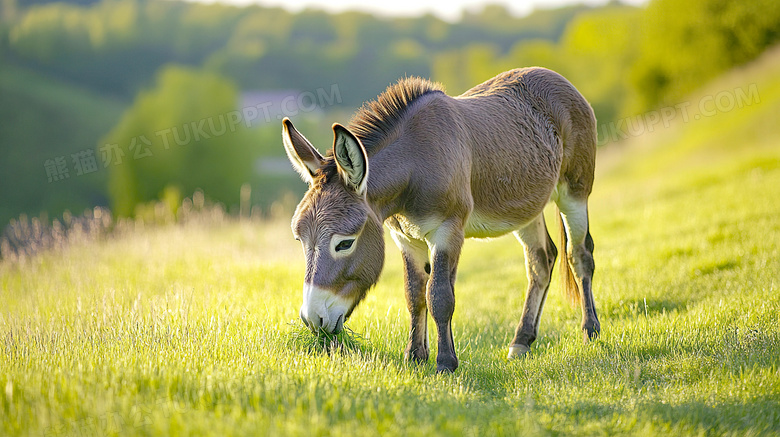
(435, 170)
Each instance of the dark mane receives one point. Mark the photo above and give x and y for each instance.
(376, 120)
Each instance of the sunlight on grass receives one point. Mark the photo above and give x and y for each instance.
(193, 328)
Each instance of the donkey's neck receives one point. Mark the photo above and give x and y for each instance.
(390, 176)
(388, 179)
(390, 156)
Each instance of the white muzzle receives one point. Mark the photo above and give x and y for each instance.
(322, 309)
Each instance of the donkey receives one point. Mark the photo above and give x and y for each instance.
(435, 170)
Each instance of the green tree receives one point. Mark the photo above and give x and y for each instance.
(685, 44)
(596, 50)
(460, 70)
(185, 133)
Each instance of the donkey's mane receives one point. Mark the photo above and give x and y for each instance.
(376, 121)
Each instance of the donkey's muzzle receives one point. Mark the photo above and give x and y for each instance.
(318, 324)
(323, 310)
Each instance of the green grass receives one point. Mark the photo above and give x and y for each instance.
(193, 329)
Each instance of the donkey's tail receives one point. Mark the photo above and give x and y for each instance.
(568, 282)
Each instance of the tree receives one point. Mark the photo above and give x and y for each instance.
(185, 133)
(684, 44)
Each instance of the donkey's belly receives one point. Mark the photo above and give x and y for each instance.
(481, 225)
(499, 212)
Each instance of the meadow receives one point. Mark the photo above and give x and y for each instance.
(192, 329)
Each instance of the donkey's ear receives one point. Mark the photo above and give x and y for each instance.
(304, 157)
(351, 159)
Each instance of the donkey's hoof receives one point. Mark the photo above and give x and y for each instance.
(445, 369)
(446, 364)
(517, 351)
(590, 333)
(416, 356)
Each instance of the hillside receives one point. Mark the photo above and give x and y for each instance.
(44, 118)
(193, 329)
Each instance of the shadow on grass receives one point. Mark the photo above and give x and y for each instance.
(757, 416)
(347, 342)
(635, 308)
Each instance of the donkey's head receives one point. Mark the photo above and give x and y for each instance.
(341, 235)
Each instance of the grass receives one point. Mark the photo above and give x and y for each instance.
(192, 329)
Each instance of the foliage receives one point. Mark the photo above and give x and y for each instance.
(685, 44)
(599, 48)
(42, 118)
(595, 50)
(180, 134)
(116, 47)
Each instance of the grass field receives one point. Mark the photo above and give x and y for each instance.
(192, 329)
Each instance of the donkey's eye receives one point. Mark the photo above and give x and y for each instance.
(345, 245)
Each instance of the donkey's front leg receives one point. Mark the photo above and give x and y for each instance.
(445, 246)
(416, 274)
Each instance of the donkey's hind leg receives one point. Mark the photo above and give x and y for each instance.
(579, 252)
(540, 253)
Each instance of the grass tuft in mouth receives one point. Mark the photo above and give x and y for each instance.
(347, 340)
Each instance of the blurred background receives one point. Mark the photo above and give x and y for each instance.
(135, 105)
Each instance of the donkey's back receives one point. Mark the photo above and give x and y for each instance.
(530, 131)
